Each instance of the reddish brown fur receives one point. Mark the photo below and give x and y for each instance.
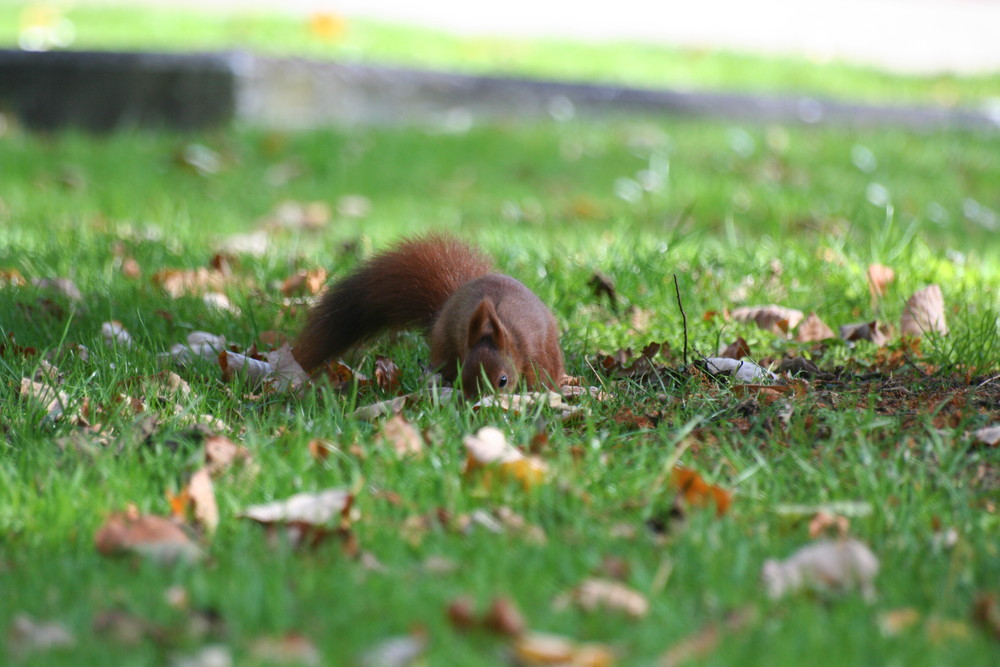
(486, 323)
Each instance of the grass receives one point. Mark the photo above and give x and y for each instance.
(742, 215)
(330, 36)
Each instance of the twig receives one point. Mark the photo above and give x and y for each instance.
(684, 317)
(987, 381)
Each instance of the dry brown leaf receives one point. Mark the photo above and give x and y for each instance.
(130, 268)
(221, 454)
(738, 349)
(148, 535)
(399, 651)
(894, 622)
(743, 370)
(520, 403)
(115, 334)
(596, 594)
(462, 613)
(489, 448)
(874, 331)
(986, 612)
(699, 493)
(776, 319)
(219, 301)
(308, 282)
(318, 508)
(202, 495)
(291, 649)
(924, 313)
(987, 435)
(256, 371)
(26, 635)
(879, 278)
(11, 278)
(287, 374)
(504, 618)
(827, 522)
(63, 286)
(535, 649)
(823, 565)
(180, 282)
(199, 345)
(295, 215)
(813, 330)
(402, 436)
(387, 374)
(53, 401)
(392, 406)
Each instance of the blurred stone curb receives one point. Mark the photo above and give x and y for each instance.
(105, 91)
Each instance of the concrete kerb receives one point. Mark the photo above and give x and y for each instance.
(106, 91)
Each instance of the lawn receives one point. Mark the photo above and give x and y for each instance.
(879, 443)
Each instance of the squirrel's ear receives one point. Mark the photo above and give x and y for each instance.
(485, 323)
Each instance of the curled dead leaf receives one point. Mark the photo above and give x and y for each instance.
(155, 537)
(879, 278)
(823, 565)
(308, 282)
(924, 313)
(114, 333)
(698, 493)
(596, 594)
(874, 331)
(402, 436)
(489, 447)
(535, 649)
(813, 329)
(776, 319)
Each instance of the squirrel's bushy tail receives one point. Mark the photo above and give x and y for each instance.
(404, 286)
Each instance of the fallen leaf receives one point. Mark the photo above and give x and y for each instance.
(387, 374)
(402, 436)
(521, 403)
(115, 334)
(27, 635)
(151, 536)
(606, 594)
(63, 286)
(234, 364)
(291, 649)
(130, 268)
(202, 495)
(295, 215)
(310, 508)
(874, 331)
(536, 648)
(986, 613)
(738, 349)
(53, 401)
(462, 613)
(823, 565)
(879, 278)
(504, 618)
(389, 407)
(826, 522)
(395, 651)
(894, 622)
(309, 282)
(213, 655)
(699, 493)
(489, 447)
(287, 374)
(11, 278)
(199, 345)
(180, 282)
(219, 301)
(924, 312)
(987, 435)
(813, 330)
(776, 319)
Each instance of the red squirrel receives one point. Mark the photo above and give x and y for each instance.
(480, 323)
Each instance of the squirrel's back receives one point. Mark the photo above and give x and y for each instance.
(404, 286)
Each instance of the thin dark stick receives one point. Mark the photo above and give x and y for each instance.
(684, 317)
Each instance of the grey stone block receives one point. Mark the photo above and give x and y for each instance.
(103, 91)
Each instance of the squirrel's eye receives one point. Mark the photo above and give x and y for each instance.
(502, 382)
